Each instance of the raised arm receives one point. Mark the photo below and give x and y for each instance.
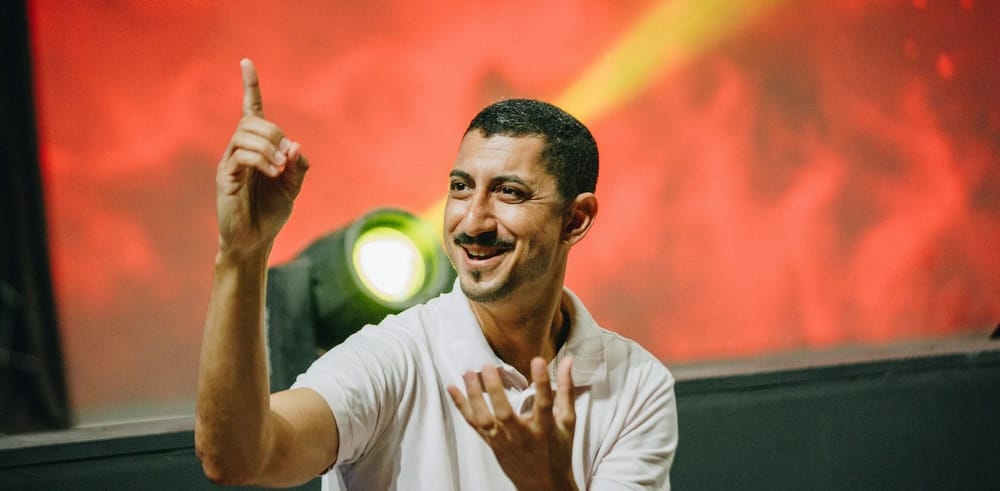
(242, 434)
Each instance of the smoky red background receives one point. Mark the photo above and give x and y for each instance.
(823, 174)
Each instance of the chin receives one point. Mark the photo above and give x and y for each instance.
(484, 292)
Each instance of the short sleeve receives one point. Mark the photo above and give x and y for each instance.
(643, 453)
(360, 379)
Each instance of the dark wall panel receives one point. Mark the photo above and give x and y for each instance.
(927, 423)
(922, 424)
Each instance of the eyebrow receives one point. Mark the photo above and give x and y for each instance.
(508, 178)
(496, 180)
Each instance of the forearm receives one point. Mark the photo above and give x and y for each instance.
(233, 401)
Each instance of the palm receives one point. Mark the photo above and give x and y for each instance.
(535, 451)
(252, 207)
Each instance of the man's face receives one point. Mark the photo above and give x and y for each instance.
(503, 218)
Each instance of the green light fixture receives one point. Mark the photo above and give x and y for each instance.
(380, 264)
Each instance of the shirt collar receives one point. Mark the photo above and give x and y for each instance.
(471, 351)
(585, 344)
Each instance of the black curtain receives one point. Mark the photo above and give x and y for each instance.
(32, 382)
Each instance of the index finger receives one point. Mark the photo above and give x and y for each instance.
(543, 391)
(252, 104)
(565, 411)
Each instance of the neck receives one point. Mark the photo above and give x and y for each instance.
(518, 334)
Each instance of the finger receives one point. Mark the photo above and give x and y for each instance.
(494, 387)
(297, 163)
(565, 412)
(296, 169)
(295, 157)
(461, 403)
(285, 145)
(261, 145)
(262, 127)
(482, 417)
(542, 411)
(252, 103)
(254, 160)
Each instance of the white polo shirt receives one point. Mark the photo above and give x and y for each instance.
(386, 386)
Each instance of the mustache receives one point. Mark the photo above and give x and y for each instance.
(488, 239)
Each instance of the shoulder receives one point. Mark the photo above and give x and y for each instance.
(627, 358)
(403, 334)
(626, 363)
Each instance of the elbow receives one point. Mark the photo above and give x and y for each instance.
(216, 473)
(222, 473)
(221, 467)
(221, 477)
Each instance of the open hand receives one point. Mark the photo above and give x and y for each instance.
(534, 450)
(258, 178)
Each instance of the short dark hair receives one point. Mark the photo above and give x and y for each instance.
(570, 152)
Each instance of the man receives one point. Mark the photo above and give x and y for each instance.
(521, 194)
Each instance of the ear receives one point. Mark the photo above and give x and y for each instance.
(579, 218)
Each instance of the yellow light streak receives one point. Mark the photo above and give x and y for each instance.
(666, 36)
(670, 33)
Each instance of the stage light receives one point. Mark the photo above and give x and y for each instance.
(382, 263)
(389, 264)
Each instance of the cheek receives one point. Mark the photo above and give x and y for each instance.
(526, 218)
(452, 217)
(514, 219)
(551, 232)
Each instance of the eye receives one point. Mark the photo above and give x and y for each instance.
(511, 193)
(458, 187)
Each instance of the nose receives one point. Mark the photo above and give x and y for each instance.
(477, 217)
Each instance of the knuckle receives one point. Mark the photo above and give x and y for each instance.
(505, 416)
(543, 403)
(248, 158)
(238, 155)
(274, 134)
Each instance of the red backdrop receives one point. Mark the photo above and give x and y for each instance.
(775, 175)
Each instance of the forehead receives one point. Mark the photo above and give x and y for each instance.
(500, 154)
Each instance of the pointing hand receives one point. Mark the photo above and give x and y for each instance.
(258, 178)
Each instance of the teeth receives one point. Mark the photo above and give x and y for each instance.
(481, 255)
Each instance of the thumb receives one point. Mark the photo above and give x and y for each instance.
(296, 167)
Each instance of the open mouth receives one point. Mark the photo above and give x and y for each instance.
(483, 254)
(483, 247)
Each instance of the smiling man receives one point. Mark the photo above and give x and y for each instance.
(456, 393)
